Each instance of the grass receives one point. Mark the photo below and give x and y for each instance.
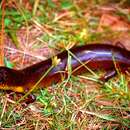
(36, 30)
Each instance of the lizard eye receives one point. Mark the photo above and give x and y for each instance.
(3, 75)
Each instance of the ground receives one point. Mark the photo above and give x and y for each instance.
(32, 31)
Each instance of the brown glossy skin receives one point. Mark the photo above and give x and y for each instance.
(94, 56)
